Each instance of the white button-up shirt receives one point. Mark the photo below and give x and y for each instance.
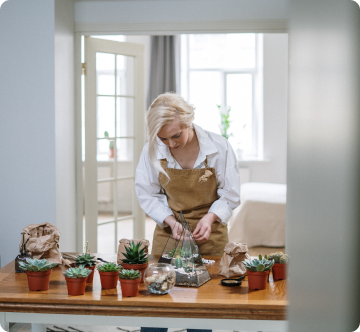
(220, 156)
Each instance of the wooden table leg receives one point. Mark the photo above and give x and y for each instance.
(3, 323)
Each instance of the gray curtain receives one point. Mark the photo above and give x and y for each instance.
(163, 66)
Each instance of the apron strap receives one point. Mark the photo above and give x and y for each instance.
(163, 163)
(205, 161)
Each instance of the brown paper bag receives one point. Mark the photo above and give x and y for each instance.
(231, 262)
(125, 242)
(43, 242)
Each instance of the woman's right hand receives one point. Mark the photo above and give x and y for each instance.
(176, 227)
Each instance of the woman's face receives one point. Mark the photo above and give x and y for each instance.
(173, 135)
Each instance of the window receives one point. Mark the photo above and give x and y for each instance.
(225, 70)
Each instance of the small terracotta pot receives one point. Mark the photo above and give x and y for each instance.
(279, 271)
(109, 279)
(90, 277)
(129, 287)
(257, 280)
(76, 286)
(139, 267)
(38, 281)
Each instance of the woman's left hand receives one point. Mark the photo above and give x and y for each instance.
(203, 228)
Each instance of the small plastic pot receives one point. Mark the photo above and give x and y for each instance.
(129, 287)
(76, 286)
(279, 271)
(109, 279)
(138, 267)
(38, 281)
(257, 280)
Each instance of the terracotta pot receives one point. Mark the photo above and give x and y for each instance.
(90, 277)
(129, 287)
(279, 271)
(38, 281)
(109, 279)
(139, 267)
(76, 286)
(257, 280)
(111, 153)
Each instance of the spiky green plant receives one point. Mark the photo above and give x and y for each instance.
(77, 272)
(258, 265)
(109, 267)
(135, 255)
(85, 259)
(129, 274)
(279, 257)
(36, 265)
(171, 253)
(178, 263)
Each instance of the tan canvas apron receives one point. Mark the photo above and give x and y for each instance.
(185, 193)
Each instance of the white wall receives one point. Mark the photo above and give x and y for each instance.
(27, 120)
(65, 124)
(323, 170)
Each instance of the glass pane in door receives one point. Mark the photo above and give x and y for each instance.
(124, 116)
(124, 75)
(105, 74)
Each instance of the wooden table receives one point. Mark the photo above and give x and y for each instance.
(210, 306)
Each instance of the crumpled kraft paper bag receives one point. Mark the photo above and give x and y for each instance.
(125, 242)
(44, 242)
(231, 264)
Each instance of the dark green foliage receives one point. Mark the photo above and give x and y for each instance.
(135, 255)
(109, 267)
(36, 265)
(258, 265)
(129, 274)
(85, 259)
(77, 272)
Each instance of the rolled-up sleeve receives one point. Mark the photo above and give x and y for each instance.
(228, 179)
(148, 191)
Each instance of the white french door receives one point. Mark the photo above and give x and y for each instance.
(114, 137)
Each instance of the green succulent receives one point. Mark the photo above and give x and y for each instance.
(178, 263)
(129, 274)
(85, 259)
(258, 265)
(36, 265)
(279, 257)
(135, 255)
(171, 253)
(109, 267)
(77, 272)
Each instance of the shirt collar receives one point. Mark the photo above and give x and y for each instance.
(207, 147)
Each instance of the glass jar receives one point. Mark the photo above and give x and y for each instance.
(159, 278)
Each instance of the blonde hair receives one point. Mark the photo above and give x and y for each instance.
(163, 110)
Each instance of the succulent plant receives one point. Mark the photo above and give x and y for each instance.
(129, 274)
(77, 272)
(178, 263)
(135, 255)
(85, 259)
(109, 267)
(279, 257)
(36, 265)
(171, 253)
(258, 265)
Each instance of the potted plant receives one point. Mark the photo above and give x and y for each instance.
(76, 279)
(258, 271)
(111, 145)
(280, 266)
(135, 258)
(38, 273)
(87, 261)
(129, 282)
(109, 274)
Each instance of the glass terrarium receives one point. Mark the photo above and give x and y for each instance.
(159, 278)
(185, 257)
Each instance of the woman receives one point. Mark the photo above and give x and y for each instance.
(185, 168)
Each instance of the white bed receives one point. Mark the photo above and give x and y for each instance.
(260, 218)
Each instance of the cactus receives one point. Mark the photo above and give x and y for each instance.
(77, 272)
(36, 265)
(279, 257)
(259, 265)
(85, 259)
(129, 274)
(178, 263)
(109, 267)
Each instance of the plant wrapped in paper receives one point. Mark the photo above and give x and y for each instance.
(135, 258)
(280, 267)
(258, 271)
(109, 274)
(89, 262)
(76, 279)
(38, 273)
(130, 282)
